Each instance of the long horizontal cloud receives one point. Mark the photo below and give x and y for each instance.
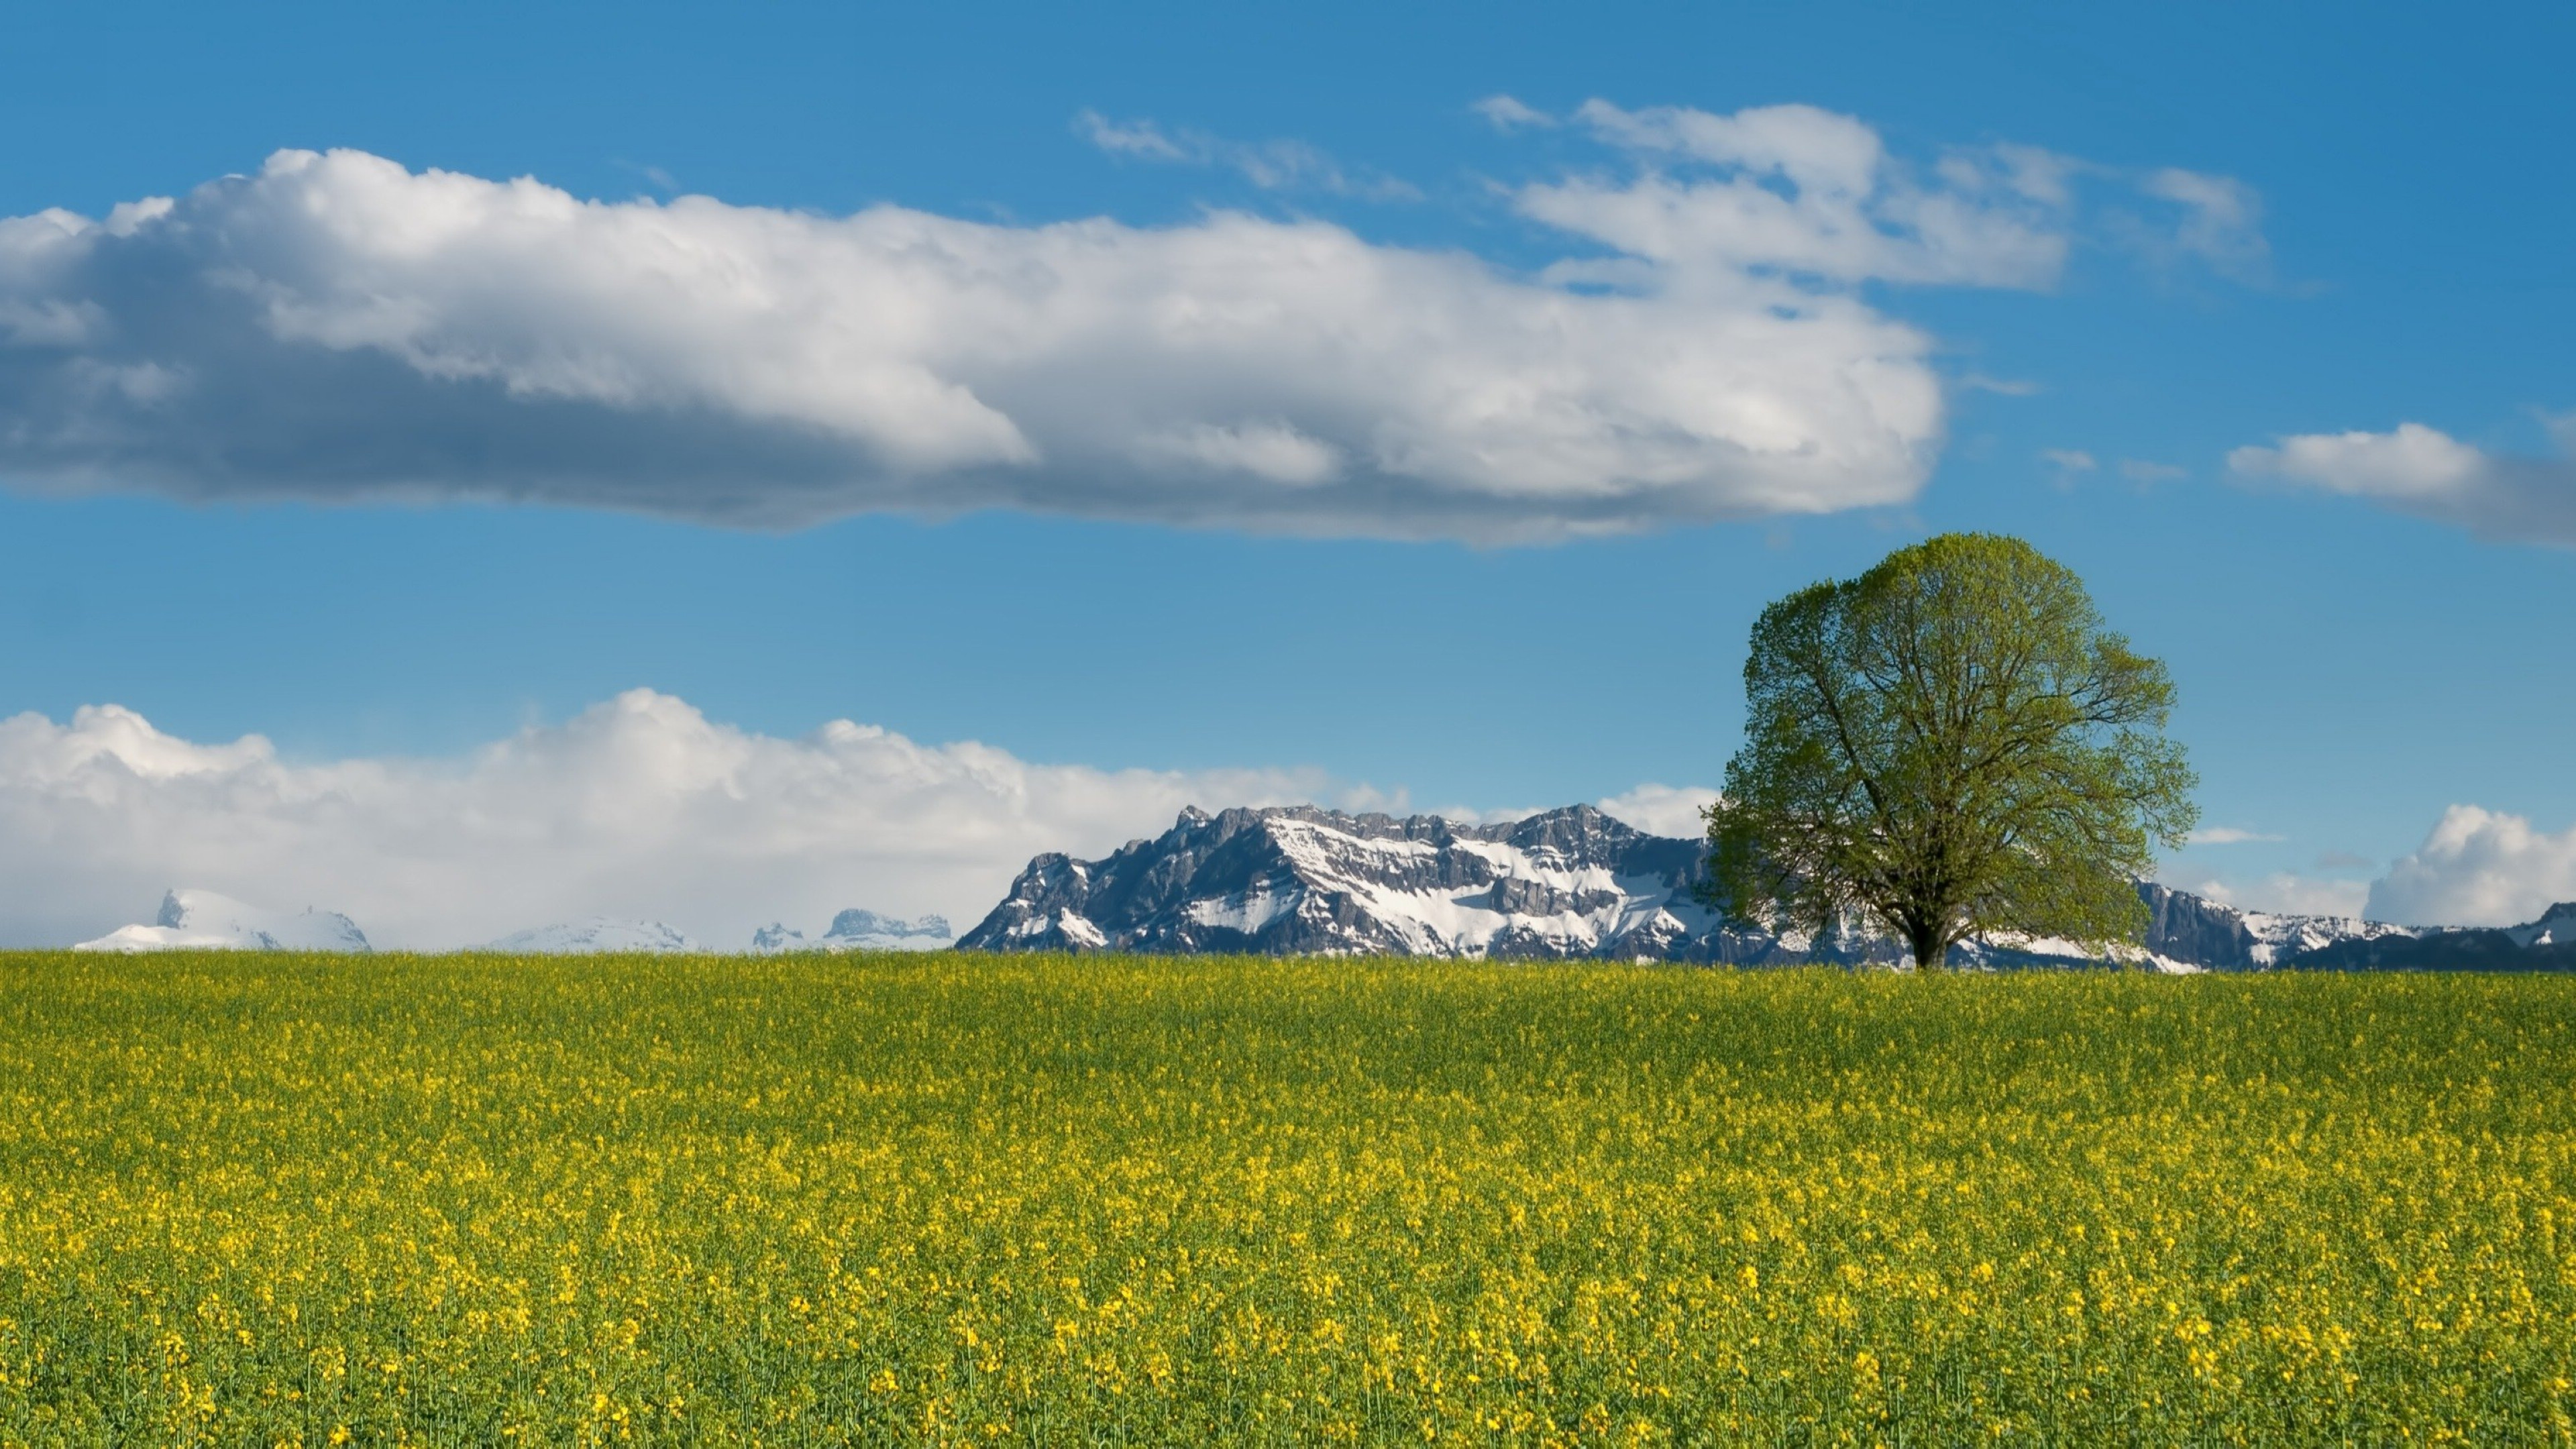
(638, 807)
(2479, 867)
(337, 327)
(2426, 472)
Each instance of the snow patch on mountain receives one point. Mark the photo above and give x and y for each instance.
(205, 920)
(2008, 951)
(2556, 927)
(2278, 937)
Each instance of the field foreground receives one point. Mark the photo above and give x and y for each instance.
(265, 1199)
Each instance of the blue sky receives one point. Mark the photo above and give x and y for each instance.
(2368, 632)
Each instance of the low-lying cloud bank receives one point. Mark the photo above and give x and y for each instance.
(2429, 473)
(637, 807)
(338, 327)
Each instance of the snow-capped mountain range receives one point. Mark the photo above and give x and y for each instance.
(200, 920)
(856, 930)
(1297, 880)
(1573, 883)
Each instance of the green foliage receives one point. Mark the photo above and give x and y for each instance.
(1951, 745)
(252, 1199)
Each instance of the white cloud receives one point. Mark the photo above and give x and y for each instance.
(2284, 893)
(2139, 470)
(2068, 464)
(1816, 194)
(2413, 463)
(2423, 471)
(1806, 192)
(1130, 138)
(2221, 221)
(1281, 165)
(2478, 868)
(336, 327)
(638, 807)
(2229, 835)
(1510, 113)
(1663, 809)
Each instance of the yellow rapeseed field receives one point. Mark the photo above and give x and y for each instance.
(266, 1199)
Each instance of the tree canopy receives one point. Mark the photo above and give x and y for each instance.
(1952, 745)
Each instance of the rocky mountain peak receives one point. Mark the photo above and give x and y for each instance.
(1304, 880)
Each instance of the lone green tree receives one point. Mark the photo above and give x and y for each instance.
(1951, 745)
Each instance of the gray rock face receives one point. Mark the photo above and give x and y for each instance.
(2202, 932)
(1297, 880)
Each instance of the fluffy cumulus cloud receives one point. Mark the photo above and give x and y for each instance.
(2478, 868)
(639, 807)
(2424, 471)
(339, 327)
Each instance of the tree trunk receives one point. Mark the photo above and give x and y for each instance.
(1931, 949)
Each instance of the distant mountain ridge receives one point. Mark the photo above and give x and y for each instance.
(858, 930)
(594, 934)
(203, 920)
(1574, 883)
(1298, 880)
(207, 920)
(2547, 944)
